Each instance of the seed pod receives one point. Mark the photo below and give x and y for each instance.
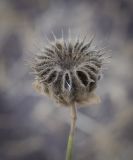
(69, 71)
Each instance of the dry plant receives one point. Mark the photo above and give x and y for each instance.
(68, 72)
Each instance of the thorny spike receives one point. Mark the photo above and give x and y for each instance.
(69, 35)
(62, 33)
(55, 39)
(48, 40)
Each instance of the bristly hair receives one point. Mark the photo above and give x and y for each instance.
(68, 71)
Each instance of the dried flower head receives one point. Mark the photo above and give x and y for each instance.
(68, 71)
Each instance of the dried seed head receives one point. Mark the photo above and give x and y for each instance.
(68, 71)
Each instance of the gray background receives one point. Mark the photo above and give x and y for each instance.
(32, 127)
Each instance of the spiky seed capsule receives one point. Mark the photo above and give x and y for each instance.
(68, 71)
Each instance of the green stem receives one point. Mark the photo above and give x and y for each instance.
(71, 134)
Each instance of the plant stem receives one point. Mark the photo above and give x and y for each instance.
(71, 134)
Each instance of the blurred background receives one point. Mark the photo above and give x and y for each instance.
(32, 127)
